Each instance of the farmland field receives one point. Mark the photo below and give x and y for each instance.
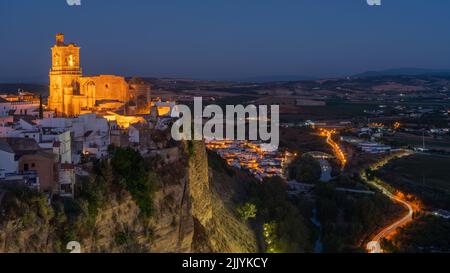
(425, 176)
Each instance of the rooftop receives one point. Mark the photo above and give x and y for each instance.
(4, 146)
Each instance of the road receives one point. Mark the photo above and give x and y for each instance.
(337, 150)
(374, 246)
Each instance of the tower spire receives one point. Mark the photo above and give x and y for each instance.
(60, 39)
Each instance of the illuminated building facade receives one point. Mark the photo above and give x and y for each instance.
(71, 94)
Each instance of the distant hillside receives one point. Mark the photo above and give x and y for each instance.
(282, 78)
(7, 88)
(405, 72)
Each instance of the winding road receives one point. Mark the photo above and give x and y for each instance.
(374, 246)
(337, 150)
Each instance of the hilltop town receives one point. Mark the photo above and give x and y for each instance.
(95, 154)
(43, 145)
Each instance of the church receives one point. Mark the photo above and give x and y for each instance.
(72, 94)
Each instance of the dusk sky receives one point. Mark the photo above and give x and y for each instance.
(225, 39)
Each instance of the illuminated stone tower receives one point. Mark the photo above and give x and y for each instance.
(64, 78)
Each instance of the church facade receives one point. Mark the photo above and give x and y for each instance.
(72, 94)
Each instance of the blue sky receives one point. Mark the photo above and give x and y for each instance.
(225, 39)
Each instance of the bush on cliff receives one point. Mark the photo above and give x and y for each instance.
(136, 177)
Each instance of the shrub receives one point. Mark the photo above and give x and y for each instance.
(247, 211)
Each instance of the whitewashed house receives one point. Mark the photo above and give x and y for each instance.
(7, 162)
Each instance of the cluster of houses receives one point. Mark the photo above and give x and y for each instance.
(248, 155)
(24, 103)
(44, 152)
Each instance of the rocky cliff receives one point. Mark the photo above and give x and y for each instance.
(189, 215)
(216, 226)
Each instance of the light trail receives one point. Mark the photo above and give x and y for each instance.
(336, 148)
(374, 246)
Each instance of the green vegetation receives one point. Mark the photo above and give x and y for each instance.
(305, 169)
(121, 238)
(67, 219)
(270, 237)
(126, 172)
(346, 219)
(425, 234)
(290, 231)
(26, 204)
(247, 211)
(136, 177)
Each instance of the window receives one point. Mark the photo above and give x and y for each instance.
(33, 165)
(26, 168)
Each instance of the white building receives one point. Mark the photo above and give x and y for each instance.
(93, 131)
(22, 108)
(7, 161)
(133, 133)
(374, 148)
(20, 129)
(90, 130)
(60, 141)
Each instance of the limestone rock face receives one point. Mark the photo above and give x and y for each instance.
(170, 230)
(216, 226)
(173, 223)
(198, 177)
(112, 220)
(16, 238)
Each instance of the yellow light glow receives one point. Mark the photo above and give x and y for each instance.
(71, 62)
(123, 121)
(163, 110)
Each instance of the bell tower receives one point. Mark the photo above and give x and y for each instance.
(64, 77)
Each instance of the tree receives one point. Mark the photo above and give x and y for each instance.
(305, 169)
(247, 211)
(290, 233)
(132, 174)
